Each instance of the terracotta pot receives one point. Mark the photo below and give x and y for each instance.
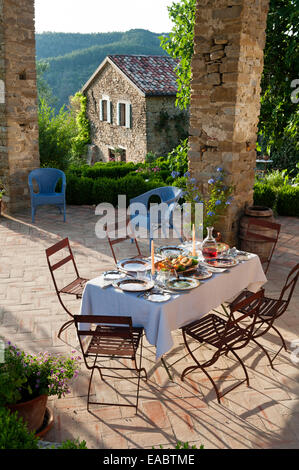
(257, 246)
(32, 412)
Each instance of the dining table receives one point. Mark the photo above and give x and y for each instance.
(161, 319)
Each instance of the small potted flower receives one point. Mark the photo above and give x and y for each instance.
(27, 380)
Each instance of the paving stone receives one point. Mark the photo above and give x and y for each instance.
(265, 415)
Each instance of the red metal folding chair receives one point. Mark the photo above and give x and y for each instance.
(270, 310)
(224, 336)
(75, 287)
(115, 240)
(266, 243)
(111, 337)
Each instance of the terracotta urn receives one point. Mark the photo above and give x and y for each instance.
(32, 412)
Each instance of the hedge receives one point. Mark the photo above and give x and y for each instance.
(84, 190)
(282, 199)
(264, 195)
(288, 201)
(104, 170)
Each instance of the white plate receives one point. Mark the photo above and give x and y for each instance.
(113, 275)
(222, 262)
(182, 284)
(158, 297)
(201, 275)
(171, 251)
(133, 285)
(134, 265)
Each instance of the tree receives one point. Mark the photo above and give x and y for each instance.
(179, 45)
(279, 116)
(278, 124)
(44, 91)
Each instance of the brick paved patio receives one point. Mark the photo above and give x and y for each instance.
(265, 415)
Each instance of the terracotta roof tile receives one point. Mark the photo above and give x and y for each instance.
(153, 75)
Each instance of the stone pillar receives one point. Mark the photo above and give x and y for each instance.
(225, 98)
(18, 103)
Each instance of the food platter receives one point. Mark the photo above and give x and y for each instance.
(222, 262)
(134, 265)
(182, 284)
(180, 264)
(133, 285)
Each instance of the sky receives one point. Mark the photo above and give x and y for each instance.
(100, 16)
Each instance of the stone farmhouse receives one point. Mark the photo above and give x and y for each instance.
(131, 108)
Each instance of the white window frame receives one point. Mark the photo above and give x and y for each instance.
(109, 109)
(128, 114)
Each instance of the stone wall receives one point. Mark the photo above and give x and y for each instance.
(225, 97)
(103, 134)
(166, 124)
(18, 114)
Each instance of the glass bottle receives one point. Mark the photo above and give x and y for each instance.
(209, 245)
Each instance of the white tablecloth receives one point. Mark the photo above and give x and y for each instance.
(160, 319)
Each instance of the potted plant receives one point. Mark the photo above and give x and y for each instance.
(27, 380)
(215, 203)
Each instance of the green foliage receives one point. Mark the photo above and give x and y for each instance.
(56, 134)
(14, 432)
(105, 170)
(279, 115)
(264, 195)
(185, 445)
(73, 444)
(73, 58)
(178, 159)
(82, 138)
(44, 91)
(288, 201)
(84, 190)
(24, 376)
(179, 45)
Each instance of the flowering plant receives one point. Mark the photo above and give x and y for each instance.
(219, 195)
(24, 377)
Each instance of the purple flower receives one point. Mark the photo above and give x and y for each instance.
(187, 174)
(227, 203)
(218, 202)
(174, 174)
(219, 169)
(211, 213)
(211, 181)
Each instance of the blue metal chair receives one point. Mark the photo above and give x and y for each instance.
(169, 195)
(47, 179)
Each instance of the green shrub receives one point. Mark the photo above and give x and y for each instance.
(264, 195)
(105, 170)
(73, 444)
(79, 190)
(288, 201)
(14, 433)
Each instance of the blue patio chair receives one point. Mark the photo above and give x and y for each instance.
(47, 179)
(169, 195)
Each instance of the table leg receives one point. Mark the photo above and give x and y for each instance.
(166, 368)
